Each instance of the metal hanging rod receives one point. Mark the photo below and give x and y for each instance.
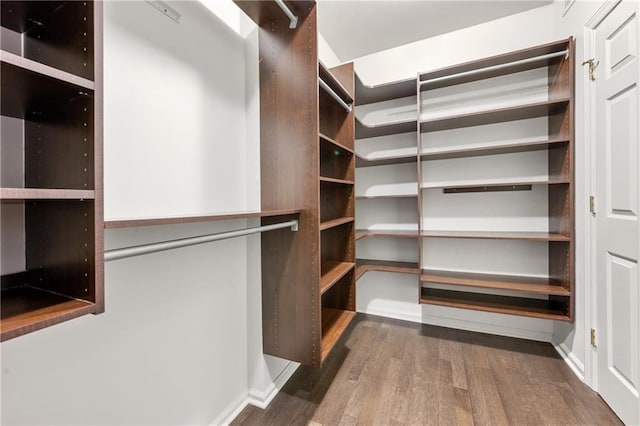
(334, 95)
(564, 53)
(292, 17)
(124, 252)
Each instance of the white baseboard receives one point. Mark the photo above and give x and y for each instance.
(262, 398)
(231, 412)
(462, 324)
(259, 398)
(572, 361)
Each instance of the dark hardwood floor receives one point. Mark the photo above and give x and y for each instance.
(389, 372)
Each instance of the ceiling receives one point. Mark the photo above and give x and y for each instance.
(358, 28)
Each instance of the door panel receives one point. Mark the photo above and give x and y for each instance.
(617, 192)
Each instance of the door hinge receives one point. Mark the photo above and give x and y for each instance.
(592, 204)
(593, 64)
(593, 338)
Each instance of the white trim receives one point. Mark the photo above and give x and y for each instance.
(262, 398)
(256, 397)
(572, 361)
(479, 327)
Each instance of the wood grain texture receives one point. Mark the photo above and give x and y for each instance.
(27, 309)
(390, 372)
(129, 223)
(365, 265)
(502, 282)
(332, 272)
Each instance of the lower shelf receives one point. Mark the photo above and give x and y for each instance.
(332, 272)
(501, 282)
(334, 323)
(26, 309)
(366, 265)
(522, 306)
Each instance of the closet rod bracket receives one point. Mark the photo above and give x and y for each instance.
(292, 17)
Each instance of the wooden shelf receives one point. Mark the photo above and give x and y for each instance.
(27, 309)
(45, 70)
(325, 75)
(45, 194)
(332, 272)
(499, 115)
(364, 131)
(366, 94)
(385, 161)
(324, 179)
(366, 265)
(497, 235)
(334, 323)
(492, 61)
(336, 144)
(480, 186)
(336, 222)
(491, 150)
(385, 196)
(131, 223)
(362, 233)
(24, 90)
(499, 304)
(503, 282)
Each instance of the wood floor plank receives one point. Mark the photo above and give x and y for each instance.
(390, 372)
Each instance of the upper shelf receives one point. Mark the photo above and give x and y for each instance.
(130, 223)
(366, 94)
(325, 75)
(497, 235)
(477, 151)
(364, 131)
(25, 90)
(37, 67)
(518, 112)
(495, 66)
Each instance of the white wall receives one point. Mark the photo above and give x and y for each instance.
(396, 295)
(180, 341)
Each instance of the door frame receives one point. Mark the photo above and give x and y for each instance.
(590, 246)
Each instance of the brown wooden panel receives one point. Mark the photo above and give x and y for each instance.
(289, 152)
(332, 272)
(336, 201)
(64, 39)
(336, 162)
(547, 309)
(334, 323)
(339, 79)
(366, 265)
(27, 309)
(60, 240)
(338, 244)
(503, 282)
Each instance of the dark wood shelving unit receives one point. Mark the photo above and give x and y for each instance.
(558, 285)
(307, 163)
(502, 282)
(365, 265)
(522, 306)
(332, 272)
(51, 188)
